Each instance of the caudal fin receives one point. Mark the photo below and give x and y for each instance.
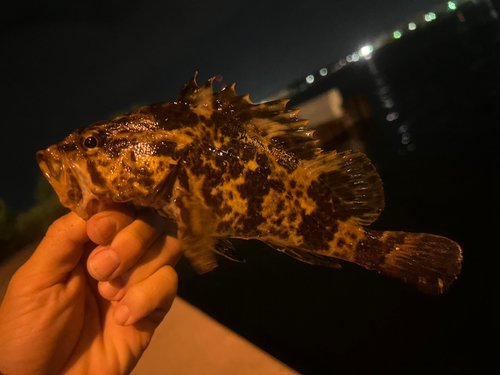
(429, 262)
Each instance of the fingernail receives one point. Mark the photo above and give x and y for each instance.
(104, 264)
(122, 314)
(106, 228)
(111, 288)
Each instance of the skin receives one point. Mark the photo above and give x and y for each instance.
(91, 296)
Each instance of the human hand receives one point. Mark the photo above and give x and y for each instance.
(76, 308)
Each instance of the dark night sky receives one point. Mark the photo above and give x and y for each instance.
(66, 65)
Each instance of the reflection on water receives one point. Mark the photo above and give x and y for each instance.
(421, 83)
(387, 102)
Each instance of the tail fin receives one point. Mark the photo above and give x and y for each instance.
(429, 262)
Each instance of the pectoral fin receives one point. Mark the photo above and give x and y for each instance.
(225, 248)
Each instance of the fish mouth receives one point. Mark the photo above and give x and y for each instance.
(50, 163)
(58, 171)
(71, 183)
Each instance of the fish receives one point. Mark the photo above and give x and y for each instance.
(222, 167)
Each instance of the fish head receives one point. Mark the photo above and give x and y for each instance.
(123, 160)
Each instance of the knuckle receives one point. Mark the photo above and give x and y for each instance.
(57, 229)
(141, 297)
(124, 218)
(68, 226)
(112, 290)
(57, 226)
(133, 239)
(169, 276)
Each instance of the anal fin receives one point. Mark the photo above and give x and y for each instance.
(307, 256)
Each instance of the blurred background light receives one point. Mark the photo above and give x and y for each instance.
(432, 16)
(323, 72)
(366, 50)
(412, 26)
(388, 103)
(452, 5)
(392, 116)
(355, 56)
(310, 78)
(397, 34)
(383, 90)
(427, 17)
(349, 58)
(403, 129)
(405, 138)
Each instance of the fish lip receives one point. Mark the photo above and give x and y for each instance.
(50, 163)
(58, 171)
(65, 177)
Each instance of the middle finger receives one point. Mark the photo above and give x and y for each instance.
(109, 262)
(166, 251)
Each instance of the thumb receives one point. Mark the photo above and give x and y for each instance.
(60, 250)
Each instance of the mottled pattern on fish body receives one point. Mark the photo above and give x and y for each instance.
(222, 167)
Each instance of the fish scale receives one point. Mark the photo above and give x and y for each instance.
(222, 167)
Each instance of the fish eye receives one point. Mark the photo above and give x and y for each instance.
(91, 142)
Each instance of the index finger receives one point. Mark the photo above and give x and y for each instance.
(103, 226)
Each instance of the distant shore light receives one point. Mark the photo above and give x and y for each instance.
(452, 5)
(310, 78)
(366, 50)
(412, 25)
(397, 34)
(323, 72)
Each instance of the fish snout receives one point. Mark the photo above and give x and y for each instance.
(50, 163)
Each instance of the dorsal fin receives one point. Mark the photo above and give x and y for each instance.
(351, 177)
(276, 125)
(188, 91)
(195, 95)
(282, 128)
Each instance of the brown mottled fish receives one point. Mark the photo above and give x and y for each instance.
(222, 167)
